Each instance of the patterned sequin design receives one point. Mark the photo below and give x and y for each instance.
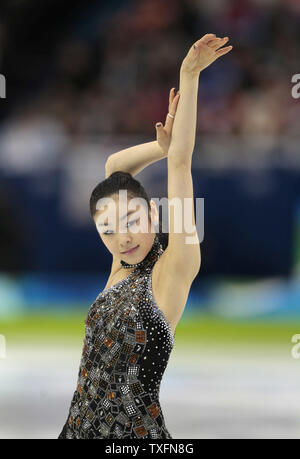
(127, 345)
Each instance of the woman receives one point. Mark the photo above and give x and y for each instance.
(130, 327)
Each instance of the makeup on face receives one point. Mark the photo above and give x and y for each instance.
(133, 250)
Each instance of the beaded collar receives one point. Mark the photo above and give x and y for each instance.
(153, 253)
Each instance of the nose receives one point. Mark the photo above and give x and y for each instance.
(125, 241)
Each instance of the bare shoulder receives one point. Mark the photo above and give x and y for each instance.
(171, 286)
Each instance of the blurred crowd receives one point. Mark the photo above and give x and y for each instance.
(118, 82)
(93, 80)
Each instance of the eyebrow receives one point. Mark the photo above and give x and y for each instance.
(128, 213)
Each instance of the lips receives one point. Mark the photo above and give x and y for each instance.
(131, 250)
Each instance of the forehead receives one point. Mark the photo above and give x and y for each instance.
(114, 207)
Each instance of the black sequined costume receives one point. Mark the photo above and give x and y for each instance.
(127, 345)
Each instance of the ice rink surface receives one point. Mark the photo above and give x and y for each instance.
(207, 392)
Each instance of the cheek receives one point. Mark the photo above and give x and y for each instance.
(109, 244)
(112, 245)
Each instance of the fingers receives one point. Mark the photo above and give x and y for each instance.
(173, 101)
(173, 106)
(222, 51)
(172, 110)
(206, 38)
(171, 95)
(217, 43)
(210, 40)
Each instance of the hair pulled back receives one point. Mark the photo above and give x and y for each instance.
(120, 180)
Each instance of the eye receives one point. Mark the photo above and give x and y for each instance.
(132, 221)
(107, 233)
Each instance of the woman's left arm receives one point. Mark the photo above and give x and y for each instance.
(184, 245)
(201, 55)
(135, 159)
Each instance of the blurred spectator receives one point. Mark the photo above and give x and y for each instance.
(86, 83)
(120, 84)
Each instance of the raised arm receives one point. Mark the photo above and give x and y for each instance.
(184, 256)
(201, 55)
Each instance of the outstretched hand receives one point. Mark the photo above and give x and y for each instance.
(203, 53)
(164, 133)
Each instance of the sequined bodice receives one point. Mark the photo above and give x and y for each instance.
(127, 345)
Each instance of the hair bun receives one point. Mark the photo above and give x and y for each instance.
(121, 173)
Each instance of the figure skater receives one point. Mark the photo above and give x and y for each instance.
(130, 327)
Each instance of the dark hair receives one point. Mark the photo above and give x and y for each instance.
(120, 180)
